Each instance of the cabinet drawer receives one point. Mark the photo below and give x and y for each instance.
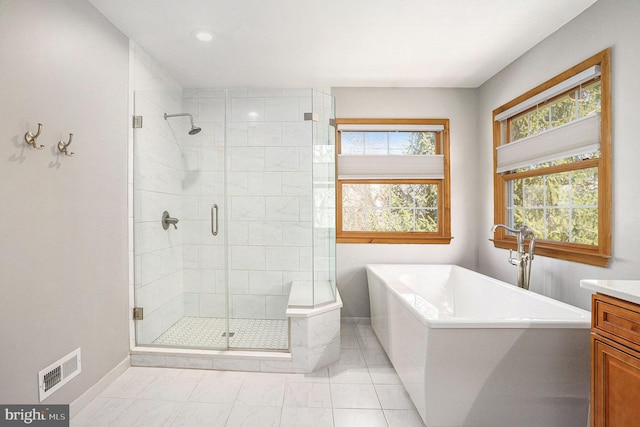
(616, 319)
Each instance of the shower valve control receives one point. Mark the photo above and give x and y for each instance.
(167, 220)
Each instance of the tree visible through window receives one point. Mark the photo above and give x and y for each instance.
(390, 207)
(387, 190)
(555, 177)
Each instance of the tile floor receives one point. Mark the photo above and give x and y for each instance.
(362, 389)
(208, 332)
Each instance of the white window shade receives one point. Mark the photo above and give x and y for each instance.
(390, 167)
(571, 139)
(354, 127)
(578, 79)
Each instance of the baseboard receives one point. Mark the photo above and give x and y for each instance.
(95, 390)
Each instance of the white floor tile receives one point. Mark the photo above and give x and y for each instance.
(307, 417)
(261, 393)
(195, 414)
(347, 329)
(359, 418)
(381, 374)
(102, 412)
(351, 356)
(216, 389)
(403, 418)
(148, 371)
(364, 330)
(254, 416)
(318, 376)
(354, 396)
(354, 374)
(177, 372)
(307, 395)
(128, 385)
(175, 388)
(362, 389)
(369, 342)
(349, 341)
(393, 396)
(376, 357)
(149, 413)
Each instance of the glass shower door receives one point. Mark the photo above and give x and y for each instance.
(324, 200)
(180, 281)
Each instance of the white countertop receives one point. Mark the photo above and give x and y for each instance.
(628, 290)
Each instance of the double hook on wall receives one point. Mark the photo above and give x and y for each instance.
(62, 147)
(31, 139)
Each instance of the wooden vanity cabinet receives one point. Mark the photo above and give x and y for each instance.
(615, 362)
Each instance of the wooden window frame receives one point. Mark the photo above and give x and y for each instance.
(443, 235)
(593, 255)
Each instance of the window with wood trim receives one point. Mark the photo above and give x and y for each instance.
(552, 151)
(393, 181)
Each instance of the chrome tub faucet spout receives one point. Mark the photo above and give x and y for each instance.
(523, 259)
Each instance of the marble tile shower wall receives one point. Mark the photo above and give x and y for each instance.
(268, 200)
(203, 186)
(157, 187)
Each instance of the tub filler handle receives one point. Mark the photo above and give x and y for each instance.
(523, 259)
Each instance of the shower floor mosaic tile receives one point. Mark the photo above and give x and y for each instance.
(209, 332)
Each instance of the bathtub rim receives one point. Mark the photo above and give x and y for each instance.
(395, 287)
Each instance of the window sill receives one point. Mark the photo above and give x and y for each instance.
(567, 252)
(436, 240)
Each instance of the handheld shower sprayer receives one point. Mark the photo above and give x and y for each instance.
(194, 129)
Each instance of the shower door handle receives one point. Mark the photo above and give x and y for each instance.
(214, 219)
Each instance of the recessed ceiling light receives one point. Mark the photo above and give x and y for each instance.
(204, 35)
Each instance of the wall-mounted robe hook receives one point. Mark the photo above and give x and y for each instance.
(30, 138)
(62, 147)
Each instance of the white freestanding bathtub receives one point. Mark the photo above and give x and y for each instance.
(475, 351)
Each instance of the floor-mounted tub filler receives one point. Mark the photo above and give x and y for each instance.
(474, 351)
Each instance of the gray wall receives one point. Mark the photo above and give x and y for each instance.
(608, 23)
(459, 106)
(63, 263)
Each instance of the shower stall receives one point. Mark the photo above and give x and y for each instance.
(234, 204)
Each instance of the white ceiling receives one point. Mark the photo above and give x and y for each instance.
(332, 43)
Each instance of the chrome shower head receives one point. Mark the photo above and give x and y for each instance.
(194, 129)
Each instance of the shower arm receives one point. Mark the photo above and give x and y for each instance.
(166, 116)
(194, 129)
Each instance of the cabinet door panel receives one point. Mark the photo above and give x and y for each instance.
(617, 386)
